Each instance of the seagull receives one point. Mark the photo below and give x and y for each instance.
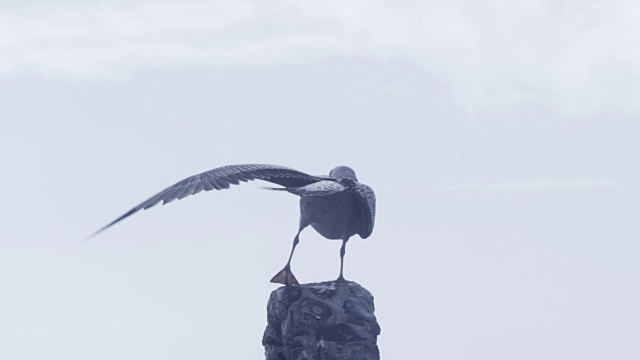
(337, 206)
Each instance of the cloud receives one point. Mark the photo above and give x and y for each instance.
(539, 184)
(567, 59)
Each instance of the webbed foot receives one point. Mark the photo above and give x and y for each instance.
(285, 277)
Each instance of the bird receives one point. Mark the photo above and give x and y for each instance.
(337, 206)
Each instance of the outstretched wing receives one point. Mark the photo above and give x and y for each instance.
(320, 188)
(222, 178)
(367, 200)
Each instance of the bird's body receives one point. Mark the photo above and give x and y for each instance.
(336, 206)
(334, 216)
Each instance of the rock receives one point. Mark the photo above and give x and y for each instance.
(321, 321)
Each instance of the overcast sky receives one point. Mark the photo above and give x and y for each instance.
(502, 139)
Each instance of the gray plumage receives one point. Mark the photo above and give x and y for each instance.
(337, 206)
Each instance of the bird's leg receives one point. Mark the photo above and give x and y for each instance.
(342, 252)
(285, 276)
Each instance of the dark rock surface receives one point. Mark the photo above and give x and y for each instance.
(321, 321)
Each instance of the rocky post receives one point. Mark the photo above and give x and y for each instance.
(321, 321)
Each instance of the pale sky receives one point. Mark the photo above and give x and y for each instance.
(501, 137)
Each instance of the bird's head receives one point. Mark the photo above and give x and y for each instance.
(343, 172)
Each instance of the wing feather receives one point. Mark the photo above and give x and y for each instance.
(222, 178)
(367, 200)
(188, 190)
(208, 186)
(199, 187)
(320, 188)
